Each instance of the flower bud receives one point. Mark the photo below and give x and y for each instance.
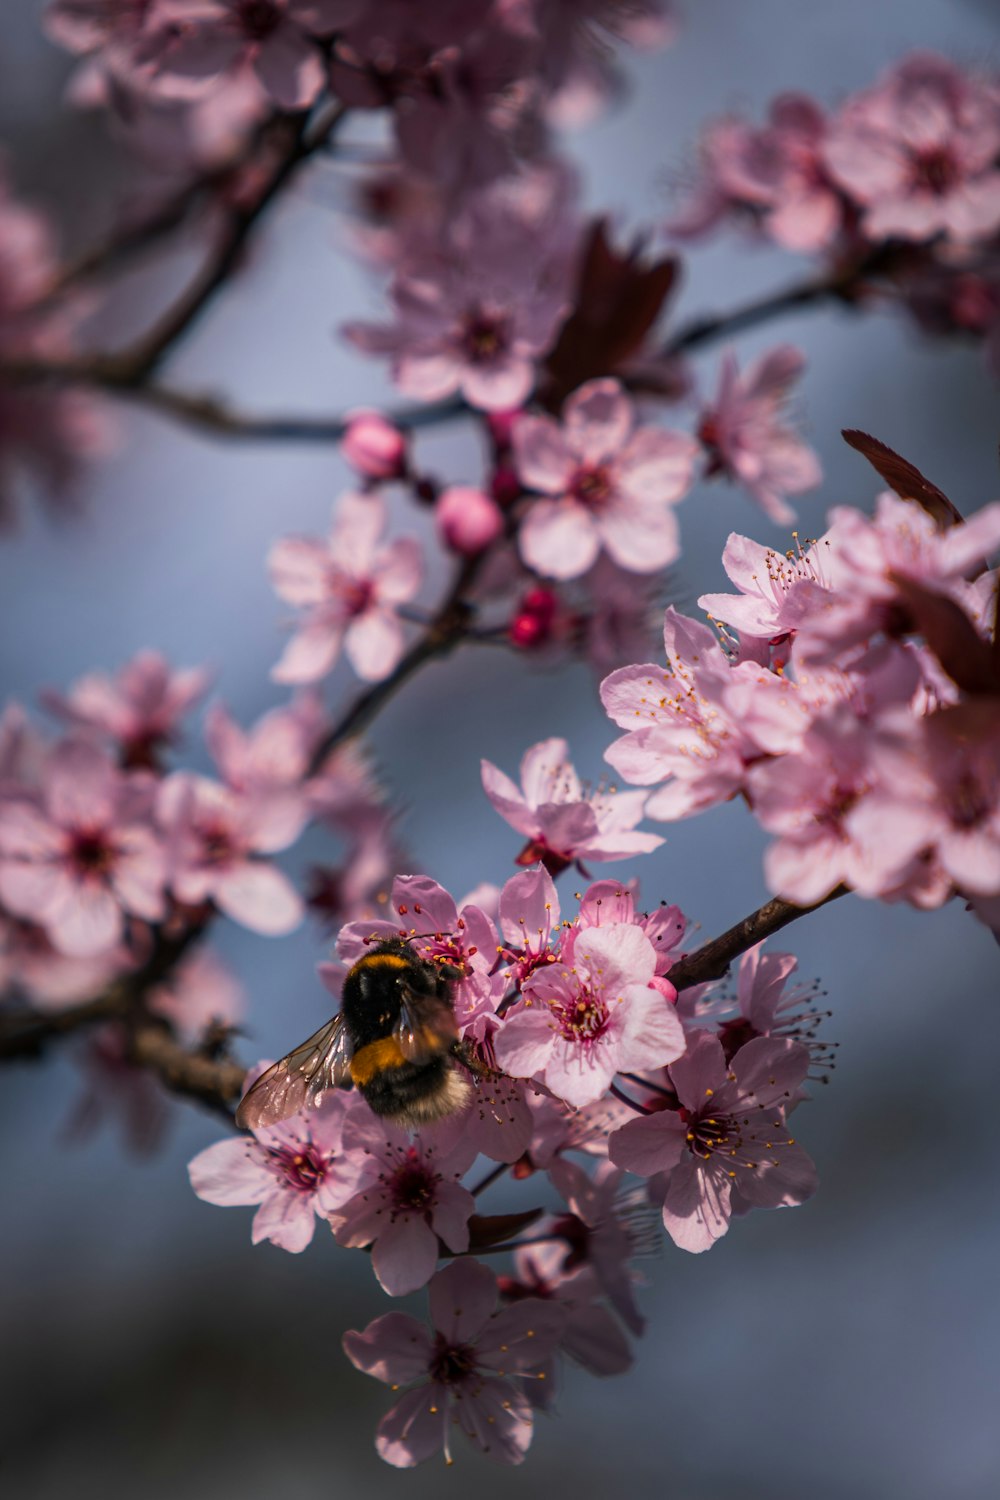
(533, 623)
(374, 447)
(467, 520)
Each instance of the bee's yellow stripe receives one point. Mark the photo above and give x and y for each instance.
(375, 1057)
(382, 961)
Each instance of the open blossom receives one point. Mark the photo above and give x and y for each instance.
(577, 1027)
(778, 590)
(773, 175)
(207, 39)
(561, 821)
(612, 485)
(919, 152)
(350, 588)
(213, 837)
(469, 1367)
(289, 1170)
(727, 1149)
(83, 854)
(747, 438)
(603, 1230)
(678, 725)
(407, 1196)
(270, 762)
(140, 708)
(479, 304)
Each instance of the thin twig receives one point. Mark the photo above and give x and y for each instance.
(712, 960)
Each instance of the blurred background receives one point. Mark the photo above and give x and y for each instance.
(849, 1348)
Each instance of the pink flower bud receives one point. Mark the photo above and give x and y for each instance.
(467, 520)
(374, 447)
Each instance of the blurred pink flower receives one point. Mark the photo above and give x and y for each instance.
(140, 708)
(349, 587)
(746, 437)
(83, 854)
(201, 993)
(613, 485)
(919, 152)
(213, 836)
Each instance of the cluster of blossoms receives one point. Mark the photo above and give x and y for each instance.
(904, 175)
(103, 846)
(588, 1068)
(852, 701)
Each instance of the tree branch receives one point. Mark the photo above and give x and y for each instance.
(712, 960)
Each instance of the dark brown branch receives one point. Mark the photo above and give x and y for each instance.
(216, 1082)
(712, 960)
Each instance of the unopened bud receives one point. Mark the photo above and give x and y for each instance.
(374, 447)
(467, 520)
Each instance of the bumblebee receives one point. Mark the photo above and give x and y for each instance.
(395, 1040)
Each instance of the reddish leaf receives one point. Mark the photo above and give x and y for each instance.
(494, 1229)
(951, 635)
(905, 478)
(618, 299)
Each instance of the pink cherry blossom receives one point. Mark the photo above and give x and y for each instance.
(773, 176)
(214, 836)
(561, 821)
(747, 438)
(613, 485)
(919, 152)
(290, 1170)
(591, 1337)
(777, 589)
(350, 588)
(470, 1367)
(140, 708)
(576, 67)
(679, 726)
(602, 1230)
(275, 38)
(51, 980)
(576, 1028)
(83, 854)
(727, 1149)
(270, 763)
(407, 1197)
(805, 797)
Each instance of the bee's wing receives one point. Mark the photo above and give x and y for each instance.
(299, 1080)
(426, 1026)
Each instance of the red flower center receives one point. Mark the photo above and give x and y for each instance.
(451, 1364)
(304, 1169)
(257, 18)
(484, 336)
(583, 1018)
(936, 170)
(413, 1183)
(591, 485)
(91, 853)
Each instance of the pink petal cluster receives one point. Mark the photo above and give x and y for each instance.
(406, 1197)
(747, 438)
(465, 1371)
(292, 1172)
(612, 485)
(870, 755)
(350, 588)
(140, 709)
(80, 855)
(919, 151)
(575, 1028)
(214, 837)
(772, 176)
(563, 822)
(727, 1148)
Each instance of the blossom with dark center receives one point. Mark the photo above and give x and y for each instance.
(290, 1170)
(466, 1371)
(406, 1197)
(350, 587)
(82, 853)
(575, 1028)
(727, 1148)
(140, 708)
(561, 820)
(612, 485)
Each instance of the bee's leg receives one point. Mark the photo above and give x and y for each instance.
(469, 1059)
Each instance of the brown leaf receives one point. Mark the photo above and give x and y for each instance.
(950, 634)
(493, 1229)
(905, 478)
(618, 299)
